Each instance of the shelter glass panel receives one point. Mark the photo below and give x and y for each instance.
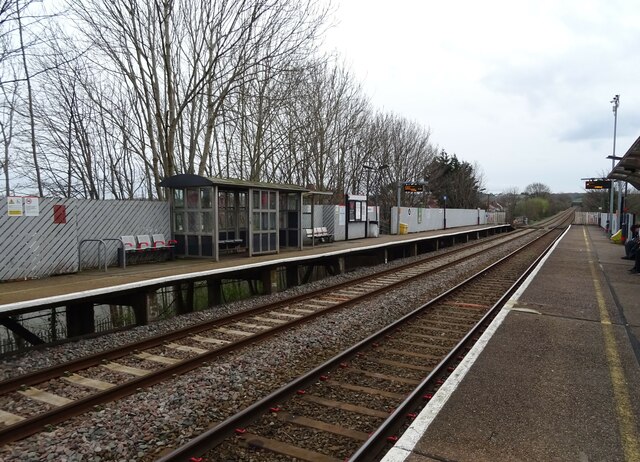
(178, 198)
(193, 219)
(207, 222)
(207, 246)
(192, 198)
(178, 221)
(193, 247)
(192, 222)
(205, 198)
(265, 225)
(232, 219)
(288, 219)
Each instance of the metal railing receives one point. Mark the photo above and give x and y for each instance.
(102, 245)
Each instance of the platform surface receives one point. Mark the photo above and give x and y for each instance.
(558, 377)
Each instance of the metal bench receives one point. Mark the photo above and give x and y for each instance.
(320, 234)
(142, 248)
(230, 245)
(159, 243)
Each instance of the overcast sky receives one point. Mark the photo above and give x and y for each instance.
(520, 87)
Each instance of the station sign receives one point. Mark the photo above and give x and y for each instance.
(598, 184)
(413, 188)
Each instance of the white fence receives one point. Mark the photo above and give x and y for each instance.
(45, 242)
(590, 218)
(601, 219)
(426, 219)
(418, 219)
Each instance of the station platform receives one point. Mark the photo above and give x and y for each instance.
(16, 296)
(556, 377)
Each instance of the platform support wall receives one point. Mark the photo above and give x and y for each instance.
(214, 292)
(184, 294)
(269, 278)
(80, 319)
(140, 305)
(293, 279)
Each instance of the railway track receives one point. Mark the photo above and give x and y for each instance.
(34, 401)
(356, 405)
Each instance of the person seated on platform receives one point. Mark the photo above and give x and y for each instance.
(636, 266)
(631, 244)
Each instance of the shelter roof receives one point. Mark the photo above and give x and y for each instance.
(243, 184)
(628, 169)
(185, 180)
(188, 180)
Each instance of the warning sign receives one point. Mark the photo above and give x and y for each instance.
(31, 206)
(14, 206)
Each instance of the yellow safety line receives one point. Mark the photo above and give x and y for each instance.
(624, 412)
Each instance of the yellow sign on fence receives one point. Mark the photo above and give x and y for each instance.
(14, 206)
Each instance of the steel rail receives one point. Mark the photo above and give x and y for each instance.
(32, 425)
(216, 435)
(375, 445)
(39, 376)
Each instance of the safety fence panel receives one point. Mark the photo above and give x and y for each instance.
(45, 241)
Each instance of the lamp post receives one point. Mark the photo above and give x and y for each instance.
(616, 102)
(444, 219)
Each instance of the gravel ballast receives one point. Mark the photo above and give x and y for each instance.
(142, 426)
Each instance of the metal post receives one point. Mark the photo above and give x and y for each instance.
(398, 223)
(366, 220)
(444, 221)
(616, 103)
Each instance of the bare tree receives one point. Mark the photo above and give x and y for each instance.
(537, 189)
(32, 124)
(13, 47)
(7, 123)
(183, 58)
(509, 200)
(9, 11)
(323, 119)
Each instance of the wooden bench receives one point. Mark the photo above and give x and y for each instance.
(318, 234)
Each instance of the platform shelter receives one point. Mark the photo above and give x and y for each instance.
(213, 216)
